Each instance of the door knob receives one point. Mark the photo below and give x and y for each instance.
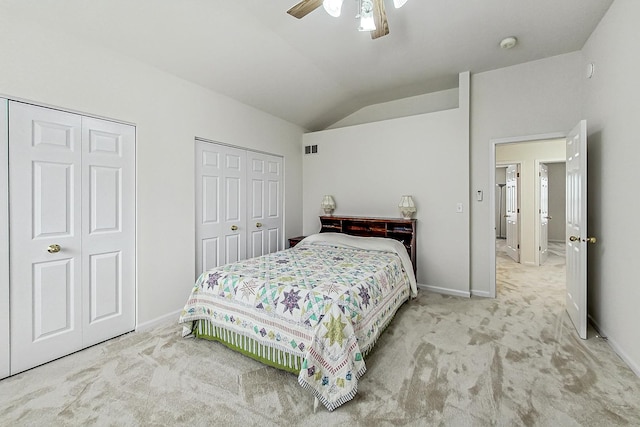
(258, 224)
(234, 227)
(548, 217)
(574, 238)
(591, 240)
(52, 249)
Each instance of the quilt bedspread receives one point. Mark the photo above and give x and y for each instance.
(323, 303)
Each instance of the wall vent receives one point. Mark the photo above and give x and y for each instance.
(310, 149)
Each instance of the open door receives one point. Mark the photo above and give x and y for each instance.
(512, 213)
(544, 213)
(576, 234)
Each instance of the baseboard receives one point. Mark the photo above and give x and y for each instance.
(484, 294)
(529, 263)
(159, 321)
(445, 291)
(616, 347)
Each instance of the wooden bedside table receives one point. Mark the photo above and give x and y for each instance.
(295, 240)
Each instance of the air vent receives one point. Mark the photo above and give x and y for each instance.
(310, 149)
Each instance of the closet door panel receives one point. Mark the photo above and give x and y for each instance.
(108, 256)
(220, 205)
(4, 240)
(265, 223)
(46, 236)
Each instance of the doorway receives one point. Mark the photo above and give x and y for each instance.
(523, 218)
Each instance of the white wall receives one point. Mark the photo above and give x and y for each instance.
(529, 155)
(45, 67)
(421, 104)
(368, 167)
(535, 98)
(611, 106)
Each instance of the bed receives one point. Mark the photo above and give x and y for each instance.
(315, 310)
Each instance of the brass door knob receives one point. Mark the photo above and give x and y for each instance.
(52, 249)
(591, 240)
(234, 227)
(574, 238)
(258, 224)
(548, 217)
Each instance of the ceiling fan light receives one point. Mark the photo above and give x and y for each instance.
(367, 23)
(399, 3)
(333, 7)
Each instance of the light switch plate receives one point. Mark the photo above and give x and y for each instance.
(459, 208)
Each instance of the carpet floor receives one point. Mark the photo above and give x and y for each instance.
(510, 361)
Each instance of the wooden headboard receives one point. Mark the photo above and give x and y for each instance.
(403, 230)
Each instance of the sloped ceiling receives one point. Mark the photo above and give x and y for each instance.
(318, 70)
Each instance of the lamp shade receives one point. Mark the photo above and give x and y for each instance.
(407, 207)
(333, 7)
(328, 204)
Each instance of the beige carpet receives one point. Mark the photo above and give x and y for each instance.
(446, 361)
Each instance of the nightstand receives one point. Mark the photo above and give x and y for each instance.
(295, 240)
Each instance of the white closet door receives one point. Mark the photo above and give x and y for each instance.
(221, 233)
(108, 229)
(45, 210)
(4, 242)
(265, 203)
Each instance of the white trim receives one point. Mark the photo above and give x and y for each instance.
(150, 324)
(5, 335)
(483, 294)
(492, 197)
(616, 347)
(445, 291)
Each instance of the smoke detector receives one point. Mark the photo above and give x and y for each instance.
(508, 42)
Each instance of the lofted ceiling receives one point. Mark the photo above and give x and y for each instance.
(318, 70)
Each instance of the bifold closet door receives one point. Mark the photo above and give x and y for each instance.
(72, 225)
(108, 236)
(45, 173)
(265, 203)
(4, 241)
(221, 235)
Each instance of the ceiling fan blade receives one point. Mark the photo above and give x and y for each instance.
(304, 7)
(380, 18)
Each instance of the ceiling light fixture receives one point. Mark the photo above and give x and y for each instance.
(333, 7)
(371, 14)
(367, 23)
(365, 13)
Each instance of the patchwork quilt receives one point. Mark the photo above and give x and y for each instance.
(325, 301)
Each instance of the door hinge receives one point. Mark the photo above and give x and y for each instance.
(518, 210)
(518, 245)
(518, 175)
(539, 248)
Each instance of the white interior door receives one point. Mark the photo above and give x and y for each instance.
(544, 213)
(46, 240)
(512, 213)
(265, 204)
(108, 237)
(576, 230)
(4, 241)
(220, 205)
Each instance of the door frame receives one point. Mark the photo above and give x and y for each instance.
(4, 241)
(494, 142)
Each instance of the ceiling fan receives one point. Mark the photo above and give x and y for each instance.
(372, 15)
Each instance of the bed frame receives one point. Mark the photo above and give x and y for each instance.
(403, 230)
